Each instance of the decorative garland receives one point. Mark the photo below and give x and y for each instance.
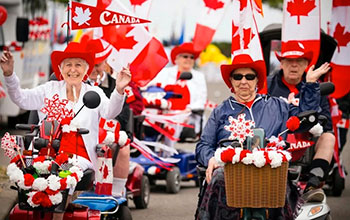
(274, 156)
(43, 191)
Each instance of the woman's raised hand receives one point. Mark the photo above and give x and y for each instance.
(123, 79)
(6, 63)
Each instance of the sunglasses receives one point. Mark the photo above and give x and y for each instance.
(188, 56)
(247, 77)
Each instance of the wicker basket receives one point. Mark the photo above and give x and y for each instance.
(249, 186)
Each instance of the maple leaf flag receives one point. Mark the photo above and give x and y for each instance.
(85, 16)
(340, 30)
(301, 22)
(132, 44)
(212, 12)
(245, 36)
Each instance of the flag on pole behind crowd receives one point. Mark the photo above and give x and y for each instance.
(301, 22)
(340, 30)
(211, 14)
(245, 35)
(132, 44)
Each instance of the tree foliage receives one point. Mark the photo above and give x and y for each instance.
(274, 3)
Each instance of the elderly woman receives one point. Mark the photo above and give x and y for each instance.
(71, 67)
(244, 77)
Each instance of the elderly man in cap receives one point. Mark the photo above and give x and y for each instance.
(184, 56)
(287, 83)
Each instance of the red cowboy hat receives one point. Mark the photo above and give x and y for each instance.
(293, 49)
(244, 61)
(73, 50)
(100, 48)
(184, 48)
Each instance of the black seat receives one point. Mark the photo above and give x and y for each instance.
(86, 181)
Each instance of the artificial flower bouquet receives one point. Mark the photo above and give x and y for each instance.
(42, 182)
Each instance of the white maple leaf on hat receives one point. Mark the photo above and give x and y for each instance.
(82, 16)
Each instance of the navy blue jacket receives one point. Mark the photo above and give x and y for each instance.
(269, 113)
(277, 88)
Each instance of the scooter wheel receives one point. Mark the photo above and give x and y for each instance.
(338, 184)
(173, 180)
(141, 202)
(123, 213)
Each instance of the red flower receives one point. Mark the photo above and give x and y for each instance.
(51, 192)
(61, 159)
(37, 197)
(226, 155)
(293, 123)
(39, 159)
(266, 155)
(243, 154)
(15, 159)
(63, 183)
(66, 121)
(28, 179)
(46, 202)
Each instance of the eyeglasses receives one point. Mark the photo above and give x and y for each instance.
(240, 76)
(188, 56)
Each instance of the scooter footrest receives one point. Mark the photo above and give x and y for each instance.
(99, 202)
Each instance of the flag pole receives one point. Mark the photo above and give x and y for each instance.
(68, 11)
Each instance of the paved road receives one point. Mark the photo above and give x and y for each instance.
(182, 206)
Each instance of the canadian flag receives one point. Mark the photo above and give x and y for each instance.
(132, 45)
(212, 12)
(340, 30)
(245, 35)
(301, 22)
(141, 8)
(85, 16)
(104, 176)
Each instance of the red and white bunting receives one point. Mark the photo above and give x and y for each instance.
(340, 30)
(212, 12)
(86, 16)
(133, 45)
(301, 22)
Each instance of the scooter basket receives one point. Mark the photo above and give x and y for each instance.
(251, 187)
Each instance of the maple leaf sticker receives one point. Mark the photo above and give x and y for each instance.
(117, 37)
(213, 4)
(137, 2)
(341, 36)
(300, 8)
(82, 16)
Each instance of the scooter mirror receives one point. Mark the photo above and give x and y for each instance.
(185, 76)
(91, 99)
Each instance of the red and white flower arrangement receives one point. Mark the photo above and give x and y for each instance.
(274, 156)
(44, 189)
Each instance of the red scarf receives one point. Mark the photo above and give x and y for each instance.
(292, 88)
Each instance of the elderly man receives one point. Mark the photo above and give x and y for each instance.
(286, 83)
(184, 56)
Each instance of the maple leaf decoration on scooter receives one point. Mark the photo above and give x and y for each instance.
(82, 16)
(240, 128)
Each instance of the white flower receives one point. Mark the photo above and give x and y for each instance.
(248, 159)
(54, 182)
(78, 171)
(73, 126)
(109, 138)
(123, 137)
(236, 157)
(30, 197)
(56, 199)
(279, 143)
(286, 154)
(14, 173)
(259, 159)
(40, 184)
(42, 167)
(71, 182)
(276, 158)
(22, 186)
(217, 156)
